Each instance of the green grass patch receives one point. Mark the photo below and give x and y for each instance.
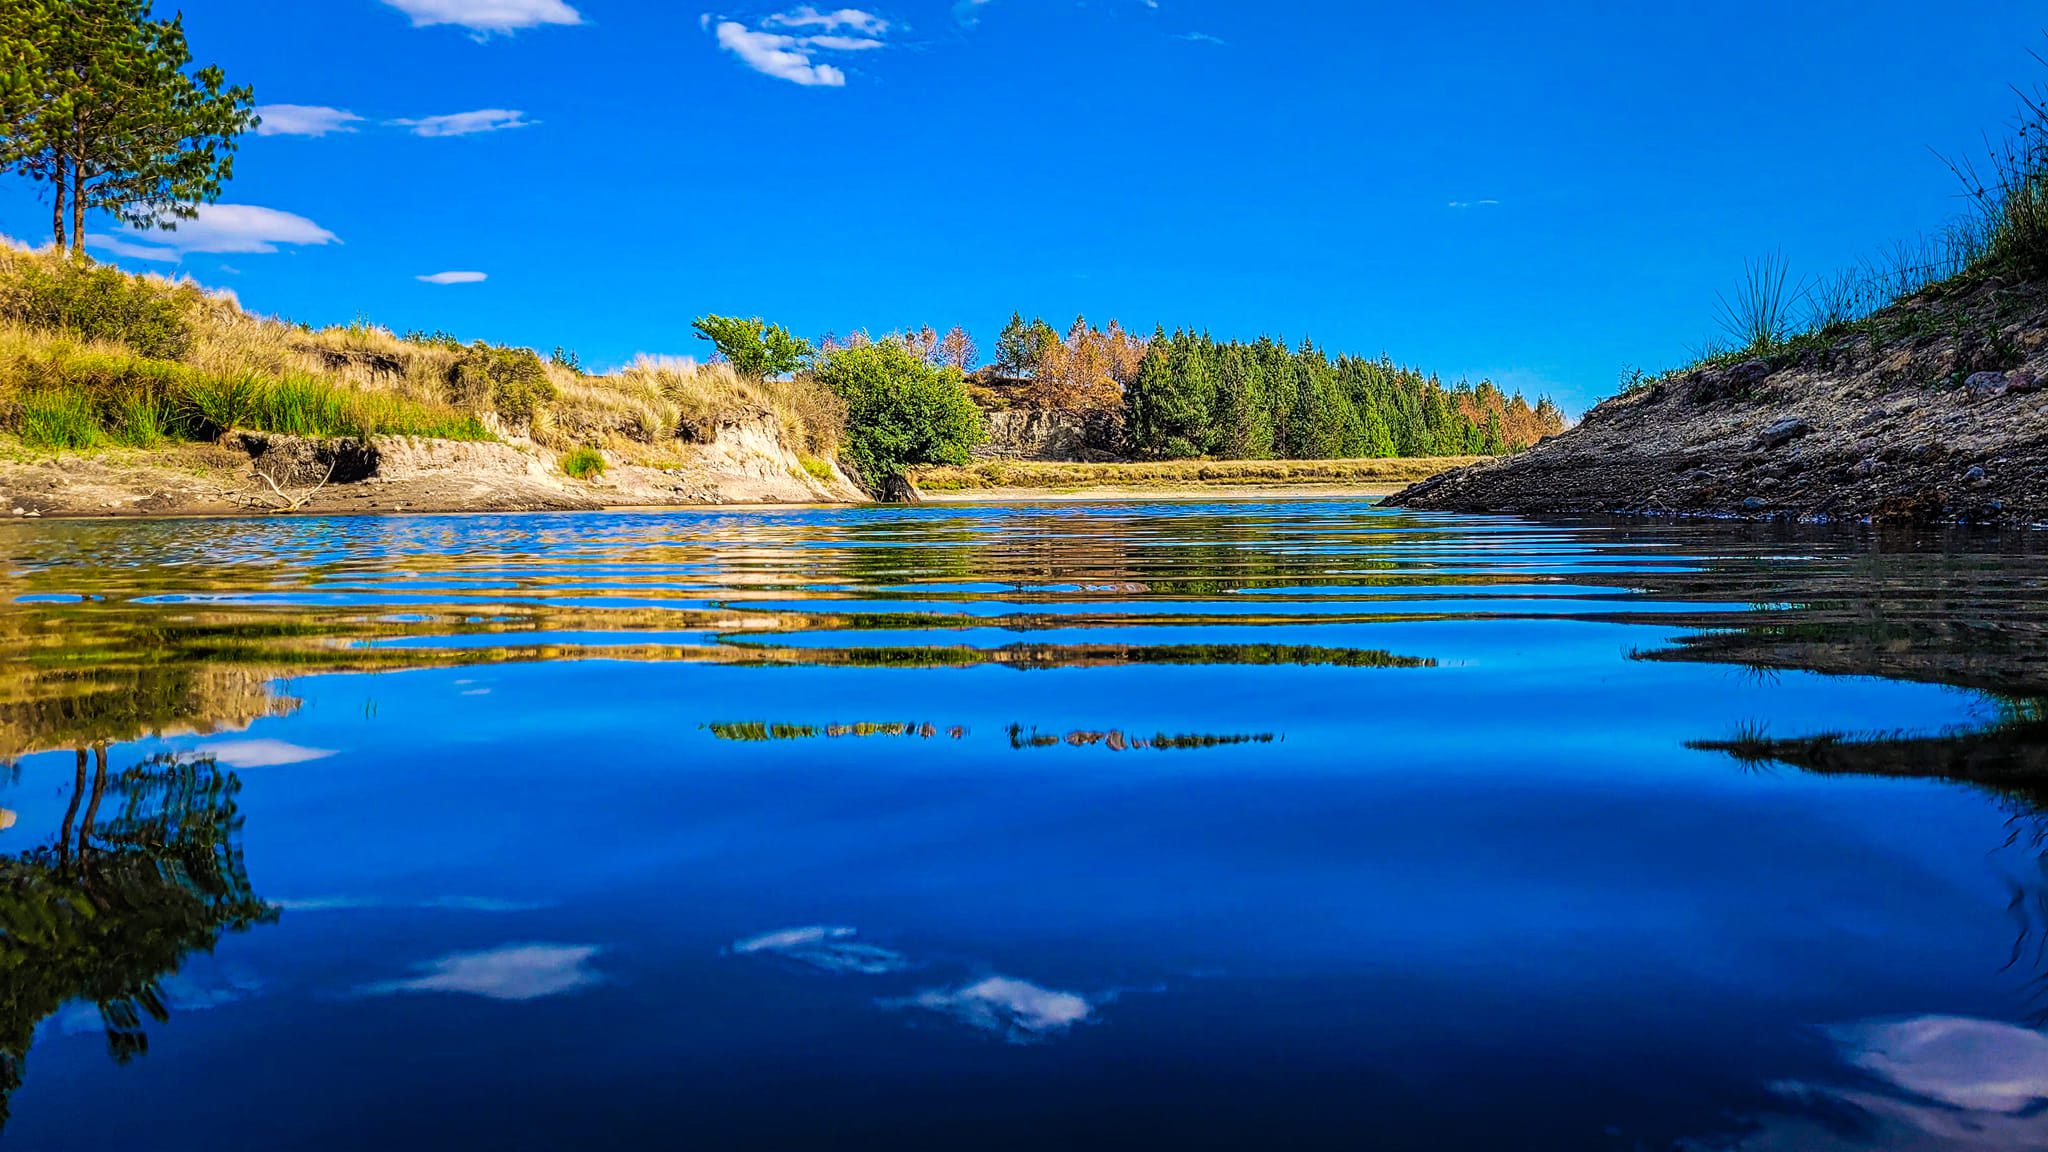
(583, 463)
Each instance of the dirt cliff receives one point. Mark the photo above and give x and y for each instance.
(1934, 410)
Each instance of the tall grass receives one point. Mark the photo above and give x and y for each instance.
(61, 395)
(1759, 315)
(2009, 192)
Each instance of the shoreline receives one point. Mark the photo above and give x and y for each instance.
(1169, 492)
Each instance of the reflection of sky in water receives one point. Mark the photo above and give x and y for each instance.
(1494, 902)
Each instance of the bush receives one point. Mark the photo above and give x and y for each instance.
(97, 302)
(583, 463)
(754, 347)
(900, 411)
(512, 381)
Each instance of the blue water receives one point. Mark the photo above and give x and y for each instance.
(1191, 825)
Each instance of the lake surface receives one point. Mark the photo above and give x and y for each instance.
(1184, 825)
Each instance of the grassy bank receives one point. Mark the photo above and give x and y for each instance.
(1011, 474)
(93, 358)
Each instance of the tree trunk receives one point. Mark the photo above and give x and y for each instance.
(77, 212)
(57, 215)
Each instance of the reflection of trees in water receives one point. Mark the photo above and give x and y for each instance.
(2007, 758)
(757, 731)
(146, 868)
(1117, 740)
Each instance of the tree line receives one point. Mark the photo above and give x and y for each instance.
(1187, 395)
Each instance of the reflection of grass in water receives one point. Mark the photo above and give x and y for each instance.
(754, 731)
(1117, 740)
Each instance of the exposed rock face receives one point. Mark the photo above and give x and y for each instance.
(1927, 412)
(1050, 434)
(744, 461)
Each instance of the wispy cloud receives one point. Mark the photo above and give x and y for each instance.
(262, 753)
(968, 12)
(467, 123)
(1200, 38)
(513, 972)
(787, 45)
(304, 120)
(808, 17)
(1473, 204)
(484, 17)
(217, 228)
(777, 54)
(454, 278)
(1019, 1009)
(832, 949)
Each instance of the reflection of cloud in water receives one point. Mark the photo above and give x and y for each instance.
(1944, 1082)
(1019, 1009)
(262, 753)
(177, 993)
(513, 972)
(365, 903)
(832, 949)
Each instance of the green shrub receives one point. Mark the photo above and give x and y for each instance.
(98, 302)
(59, 418)
(511, 381)
(900, 411)
(583, 463)
(818, 469)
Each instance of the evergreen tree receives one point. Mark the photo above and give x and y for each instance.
(97, 101)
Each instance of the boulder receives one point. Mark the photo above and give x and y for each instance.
(1985, 385)
(1783, 432)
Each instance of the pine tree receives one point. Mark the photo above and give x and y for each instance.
(96, 100)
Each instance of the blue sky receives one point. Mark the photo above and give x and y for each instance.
(1539, 193)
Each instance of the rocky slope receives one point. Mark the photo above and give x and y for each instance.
(1934, 410)
(744, 461)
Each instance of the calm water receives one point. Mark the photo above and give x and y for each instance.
(1176, 825)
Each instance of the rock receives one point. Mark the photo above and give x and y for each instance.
(1975, 475)
(1748, 374)
(898, 489)
(1783, 432)
(1752, 503)
(1985, 385)
(1865, 469)
(2021, 380)
(1870, 417)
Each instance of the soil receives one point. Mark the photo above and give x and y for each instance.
(1932, 411)
(251, 472)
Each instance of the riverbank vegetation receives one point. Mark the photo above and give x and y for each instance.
(1169, 474)
(1779, 318)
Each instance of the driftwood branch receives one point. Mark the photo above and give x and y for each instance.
(294, 503)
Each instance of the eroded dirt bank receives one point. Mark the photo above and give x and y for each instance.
(1932, 411)
(248, 473)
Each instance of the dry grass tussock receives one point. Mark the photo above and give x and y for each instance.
(91, 355)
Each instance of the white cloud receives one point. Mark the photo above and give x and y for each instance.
(1473, 204)
(1199, 37)
(303, 120)
(217, 228)
(467, 123)
(842, 43)
(486, 16)
(774, 54)
(1021, 1010)
(513, 972)
(1931, 1082)
(809, 17)
(456, 278)
(262, 753)
(822, 946)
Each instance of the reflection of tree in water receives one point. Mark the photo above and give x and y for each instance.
(146, 868)
(2007, 758)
